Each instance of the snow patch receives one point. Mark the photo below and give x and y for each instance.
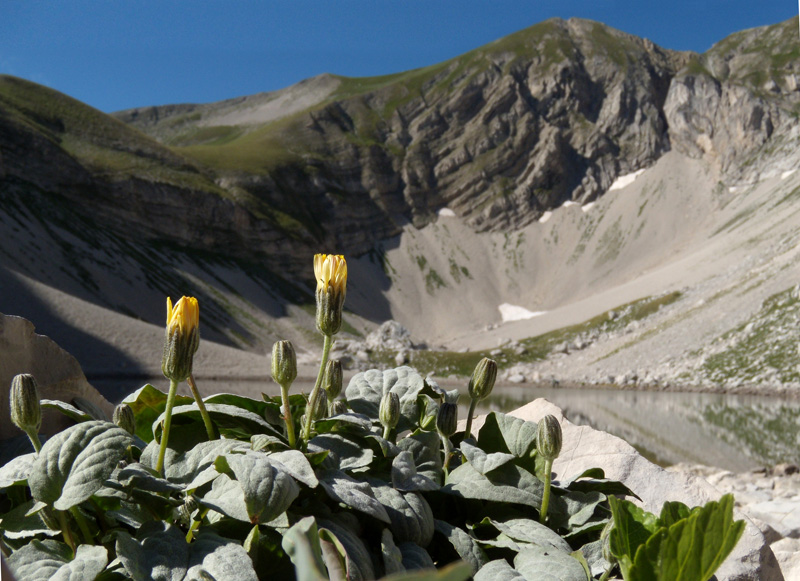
(786, 174)
(569, 203)
(545, 217)
(626, 180)
(587, 207)
(446, 213)
(514, 313)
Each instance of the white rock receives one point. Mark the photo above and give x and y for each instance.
(516, 378)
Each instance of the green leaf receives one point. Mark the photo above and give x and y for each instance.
(268, 489)
(256, 406)
(184, 467)
(425, 447)
(220, 558)
(74, 463)
(466, 547)
(357, 557)
(147, 404)
(498, 570)
(632, 527)
(540, 564)
(42, 561)
(415, 557)
(232, 421)
(411, 515)
(68, 410)
(343, 421)
(140, 477)
(301, 543)
(354, 493)
(672, 512)
(350, 451)
(574, 509)
(530, 531)
(481, 461)
(159, 551)
(366, 389)
(509, 483)
(392, 557)
(16, 471)
(296, 464)
(693, 548)
(507, 434)
(452, 572)
(405, 477)
(21, 523)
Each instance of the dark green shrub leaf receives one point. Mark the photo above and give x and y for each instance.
(366, 389)
(147, 404)
(632, 527)
(548, 565)
(466, 547)
(159, 551)
(356, 494)
(45, 560)
(672, 512)
(74, 463)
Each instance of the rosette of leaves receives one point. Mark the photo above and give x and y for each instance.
(352, 505)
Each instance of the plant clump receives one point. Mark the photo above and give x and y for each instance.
(372, 480)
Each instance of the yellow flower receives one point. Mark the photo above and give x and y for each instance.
(181, 339)
(330, 271)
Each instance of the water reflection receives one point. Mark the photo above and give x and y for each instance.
(732, 432)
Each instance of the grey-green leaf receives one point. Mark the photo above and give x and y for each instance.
(530, 531)
(296, 464)
(415, 557)
(268, 489)
(220, 558)
(405, 476)
(74, 463)
(301, 543)
(21, 523)
(158, 553)
(481, 461)
(354, 493)
(16, 470)
(498, 570)
(51, 560)
(183, 468)
(541, 564)
(425, 447)
(466, 547)
(504, 433)
(366, 389)
(352, 453)
(392, 557)
(68, 410)
(410, 513)
(509, 483)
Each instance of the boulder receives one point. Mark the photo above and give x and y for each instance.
(57, 374)
(584, 447)
(390, 335)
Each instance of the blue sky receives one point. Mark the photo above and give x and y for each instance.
(115, 54)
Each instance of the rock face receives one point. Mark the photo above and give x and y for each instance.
(584, 447)
(57, 373)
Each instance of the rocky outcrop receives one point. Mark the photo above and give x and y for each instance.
(57, 373)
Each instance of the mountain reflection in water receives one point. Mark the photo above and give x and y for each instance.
(734, 432)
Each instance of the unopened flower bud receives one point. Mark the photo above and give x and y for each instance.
(332, 380)
(124, 418)
(181, 339)
(390, 410)
(330, 271)
(26, 412)
(339, 406)
(482, 381)
(605, 541)
(320, 410)
(447, 419)
(548, 438)
(284, 363)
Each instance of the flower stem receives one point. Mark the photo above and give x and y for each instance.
(606, 574)
(448, 452)
(173, 389)
(471, 413)
(62, 518)
(203, 411)
(312, 400)
(548, 468)
(195, 524)
(82, 524)
(34, 438)
(287, 416)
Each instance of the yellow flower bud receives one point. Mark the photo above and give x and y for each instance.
(330, 271)
(182, 338)
(284, 363)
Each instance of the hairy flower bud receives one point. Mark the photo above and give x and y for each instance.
(26, 413)
(330, 271)
(548, 437)
(339, 406)
(390, 410)
(332, 380)
(124, 418)
(482, 381)
(605, 542)
(284, 363)
(447, 419)
(182, 338)
(320, 410)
